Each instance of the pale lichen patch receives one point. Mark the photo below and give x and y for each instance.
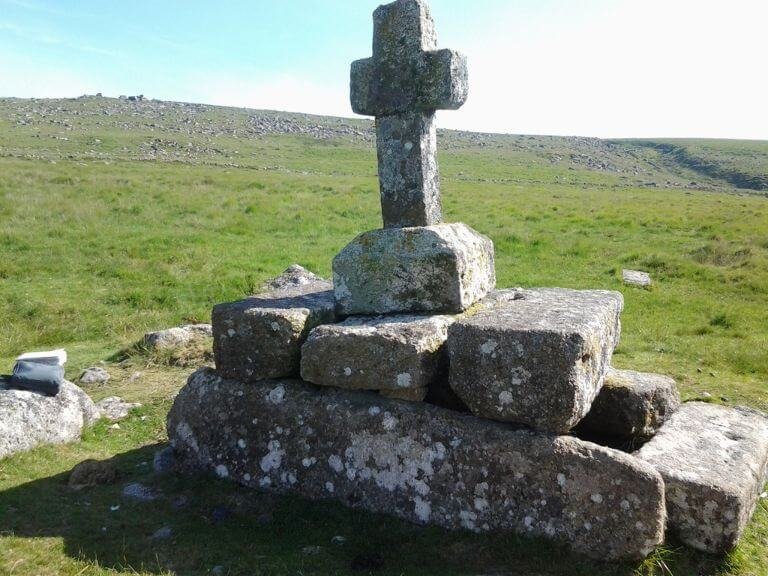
(277, 394)
(273, 459)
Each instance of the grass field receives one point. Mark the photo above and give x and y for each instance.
(103, 238)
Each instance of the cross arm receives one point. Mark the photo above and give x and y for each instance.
(445, 84)
(440, 84)
(361, 84)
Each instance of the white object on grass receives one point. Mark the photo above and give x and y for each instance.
(55, 357)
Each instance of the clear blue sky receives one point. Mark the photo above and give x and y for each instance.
(588, 67)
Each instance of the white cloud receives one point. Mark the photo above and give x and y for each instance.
(630, 68)
(610, 68)
(45, 82)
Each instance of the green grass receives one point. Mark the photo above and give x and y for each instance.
(96, 250)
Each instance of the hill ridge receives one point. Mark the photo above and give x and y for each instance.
(110, 129)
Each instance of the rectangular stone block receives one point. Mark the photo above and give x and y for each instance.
(260, 337)
(394, 353)
(632, 404)
(535, 357)
(714, 461)
(432, 269)
(419, 462)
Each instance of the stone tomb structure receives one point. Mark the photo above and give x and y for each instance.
(410, 385)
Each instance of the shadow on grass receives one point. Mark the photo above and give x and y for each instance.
(217, 523)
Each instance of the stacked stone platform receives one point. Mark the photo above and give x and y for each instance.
(410, 385)
(347, 411)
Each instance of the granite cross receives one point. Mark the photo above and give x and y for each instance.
(403, 85)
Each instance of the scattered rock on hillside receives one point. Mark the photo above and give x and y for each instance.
(94, 375)
(183, 345)
(115, 408)
(92, 473)
(636, 278)
(177, 337)
(293, 276)
(28, 419)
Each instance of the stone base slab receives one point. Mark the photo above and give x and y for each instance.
(714, 461)
(419, 462)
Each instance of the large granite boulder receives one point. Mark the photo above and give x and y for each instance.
(535, 357)
(396, 353)
(418, 462)
(632, 404)
(261, 337)
(29, 419)
(434, 269)
(714, 461)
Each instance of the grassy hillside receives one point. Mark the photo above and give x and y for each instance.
(119, 217)
(743, 164)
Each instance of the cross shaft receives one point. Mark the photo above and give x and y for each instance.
(402, 85)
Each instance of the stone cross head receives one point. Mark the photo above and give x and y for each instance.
(402, 85)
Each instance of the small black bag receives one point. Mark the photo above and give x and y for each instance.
(43, 378)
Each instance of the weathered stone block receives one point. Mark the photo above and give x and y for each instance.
(535, 357)
(419, 462)
(261, 337)
(398, 352)
(714, 461)
(29, 419)
(443, 268)
(632, 404)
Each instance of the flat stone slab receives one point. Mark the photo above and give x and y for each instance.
(714, 461)
(636, 278)
(632, 404)
(261, 337)
(29, 419)
(535, 357)
(434, 269)
(418, 462)
(401, 352)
